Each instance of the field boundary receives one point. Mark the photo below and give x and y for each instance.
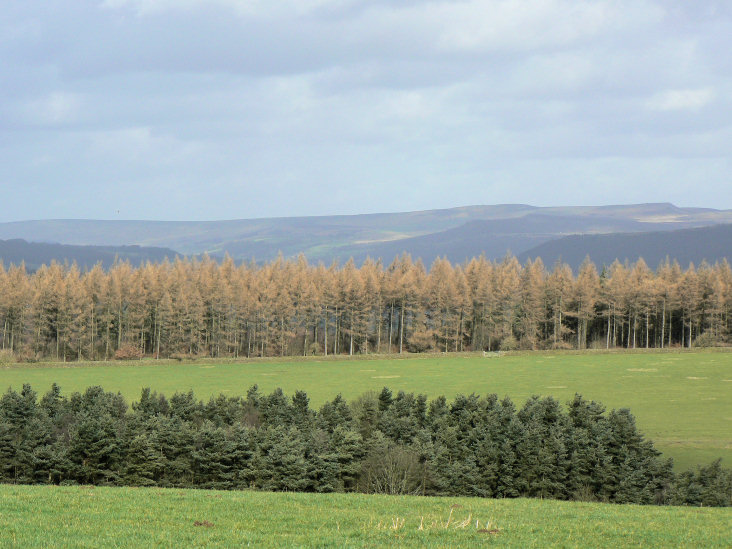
(362, 357)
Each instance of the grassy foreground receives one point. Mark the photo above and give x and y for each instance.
(43, 516)
(682, 400)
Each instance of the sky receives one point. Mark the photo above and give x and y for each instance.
(229, 109)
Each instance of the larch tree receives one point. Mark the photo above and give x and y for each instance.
(585, 297)
(508, 279)
(531, 313)
(689, 300)
(441, 298)
(667, 283)
(559, 292)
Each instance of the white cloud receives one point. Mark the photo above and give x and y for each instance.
(495, 25)
(408, 104)
(682, 100)
(54, 108)
(245, 8)
(140, 145)
(517, 25)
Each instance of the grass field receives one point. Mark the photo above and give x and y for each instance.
(682, 400)
(52, 516)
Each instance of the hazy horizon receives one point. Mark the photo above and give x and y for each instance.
(223, 220)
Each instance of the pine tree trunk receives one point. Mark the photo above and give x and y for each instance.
(635, 327)
(337, 326)
(683, 331)
(282, 336)
(670, 326)
(350, 350)
(391, 324)
(157, 343)
(615, 328)
(622, 334)
(663, 322)
(325, 330)
(460, 333)
(249, 340)
(401, 331)
(305, 343)
(561, 305)
(579, 325)
(379, 320)
(480, 330)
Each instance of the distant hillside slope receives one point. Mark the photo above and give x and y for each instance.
(495, 237)
(685, 245)
(36, 254)
(259, 238)
(456, 232)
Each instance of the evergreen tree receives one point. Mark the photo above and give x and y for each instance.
(333, 414)
(94, 454)
(281, 462)
(213, 458)
(145, 463)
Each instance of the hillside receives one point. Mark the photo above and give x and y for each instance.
(686, 246)
(496, 237)
(35, 254)
(456, 232)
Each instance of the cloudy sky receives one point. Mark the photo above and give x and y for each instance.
(216, 109)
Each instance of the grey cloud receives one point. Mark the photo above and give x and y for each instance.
(237, 109)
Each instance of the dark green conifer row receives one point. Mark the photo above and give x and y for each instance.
(380, 443)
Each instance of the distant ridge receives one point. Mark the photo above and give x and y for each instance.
(457, 233)
(33, 254)
(495, 238)
(685, 246)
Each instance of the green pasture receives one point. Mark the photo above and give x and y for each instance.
(84, 516)
(682, 400)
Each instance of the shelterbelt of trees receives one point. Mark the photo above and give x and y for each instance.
(289, 307)
(380, 443)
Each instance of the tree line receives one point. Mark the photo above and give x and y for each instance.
(380, 443)
(199, 307)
